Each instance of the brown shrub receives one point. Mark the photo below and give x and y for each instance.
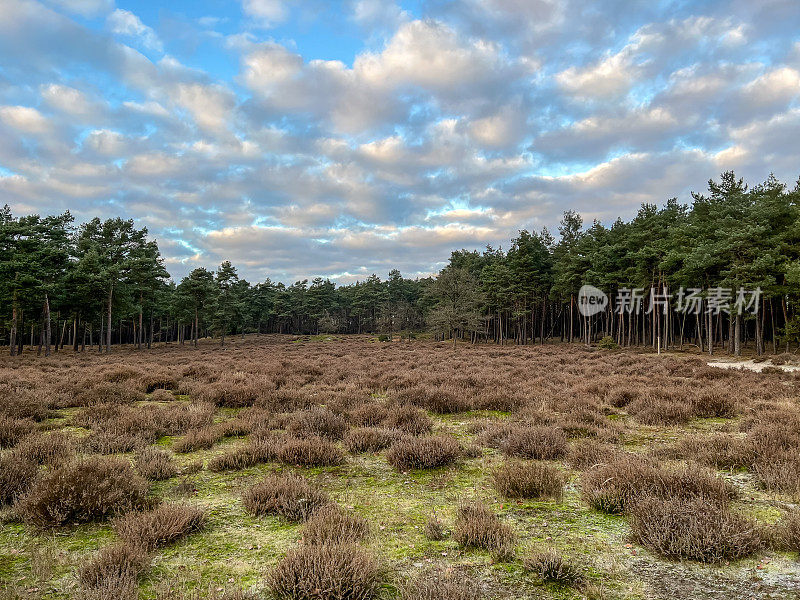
(310, 452)
(330, 524)
(156, 464)
(17, 474)
(786, 532)
(369, 439)
(528, 480)
(661, 411)
(318, 422)
(369, 414)
(693, 529)
(13, 430)
(425, 452)
(441, 586)
(114, 573)
(551, 567)
(114, 442)
(329, 571)
(162, 395)
(542, 443)
(434, 530)
(478, 527)
(584, 454)
(84, 490)
(198, 439)
(714, 402)
(718, 450)
(111, 393)
(617, 486)
(290, 496)
(47, 448)
(159, 527)
(780, 474)
(257, 451)
(437, 399)
(408, 419)
(621, 397)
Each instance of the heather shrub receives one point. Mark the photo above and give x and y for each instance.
(425, 452)
(330, 524)
(84, 490)
(318, 421)
(714, 402)
(785, 534)
(437, 399)
(408, 419)
(718, 450)
(257, 451)
(780, 474)
(17, 475)
(310, 452)
(113, 573)
(369, 414)
(13, 430)
(658, 410)
(156, 464)
(587, 453)
(551, 567)
(328, 571)
(47, 448)
(528, 480)
(158, 527)
(542, 443)
(434, 530)
(369, 439)
(440, 586)
(477, 526)
(198, 439)
(113, 442)
(692, 528)
(162, 395)
(290, 496)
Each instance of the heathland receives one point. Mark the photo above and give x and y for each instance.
(348, 468)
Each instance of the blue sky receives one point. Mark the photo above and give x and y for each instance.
(346, 138)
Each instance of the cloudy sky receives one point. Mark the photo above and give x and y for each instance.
(303, 138)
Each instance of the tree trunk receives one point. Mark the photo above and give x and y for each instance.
(13, 335)
(48, 333)
(737, 342)
(108, 331)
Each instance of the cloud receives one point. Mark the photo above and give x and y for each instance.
(125, 23)
(84, 8)
(265, 13)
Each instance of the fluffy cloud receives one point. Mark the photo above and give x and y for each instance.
(125, 23)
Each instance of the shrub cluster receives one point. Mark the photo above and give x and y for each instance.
(477, 526)
(424, 452)
(290, 496)
(158, 527)
(528, 480)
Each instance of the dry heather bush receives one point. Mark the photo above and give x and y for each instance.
(693, 529)
(781, 474)
(718, 450)
(112, 442)
(47, 448)
(25, 404)
(620, 397)
(330, 524)
(318, 421)
(477, 526)
(156, 464)
(408, 419)
(257, 451)
(551, 567)
(159, 527)
(440, 586)
(84, 490)
(310, 452)
(434, 530)
(425, 452)
(584, 454)
(109, 393)
(198, 439)
(154, 380)
(542, 443)
(714, 402)
(175, 589)
(660, 410)
(113, 573)
(230, 393)
(327, 572)
(617, 486)
(13, 430)
(528, 480)
(369, 439)
(17, 474)
(368, 414)
(785, 535)
(437, 399)
(290, 496)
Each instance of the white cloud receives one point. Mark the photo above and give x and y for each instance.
(24, 119)
(85, 8)
(124, 22)
(265, 13)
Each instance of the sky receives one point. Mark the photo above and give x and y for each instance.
(339, 139)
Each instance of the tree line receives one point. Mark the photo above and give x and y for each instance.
(103, 283)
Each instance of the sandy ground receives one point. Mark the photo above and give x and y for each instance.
(723, 363)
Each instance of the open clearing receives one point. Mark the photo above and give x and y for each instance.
(572, 410)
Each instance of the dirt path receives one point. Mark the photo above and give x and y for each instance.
(750, 365)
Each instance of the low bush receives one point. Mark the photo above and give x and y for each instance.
(780, 474)
(257, 451)
(329, 571)
(17, 475)
(424, 452)
(156, 464)
(607, 343)
(528, 480)
(434, 530)
(477, 526)
(158, 527)
(84, 490)
(318, 421)
(290, 496)
(408, 419)
(541, 443)
(714, 402)
(550, 566)
(692, 529)
(330, 524)
(47, 448)
(13, 430)
(785, 534)
(658, 410)
(310, 452)
(113, 573)
(198, 439)
(718, 450)
(440, 586)
(588, 453)
(369, 439)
